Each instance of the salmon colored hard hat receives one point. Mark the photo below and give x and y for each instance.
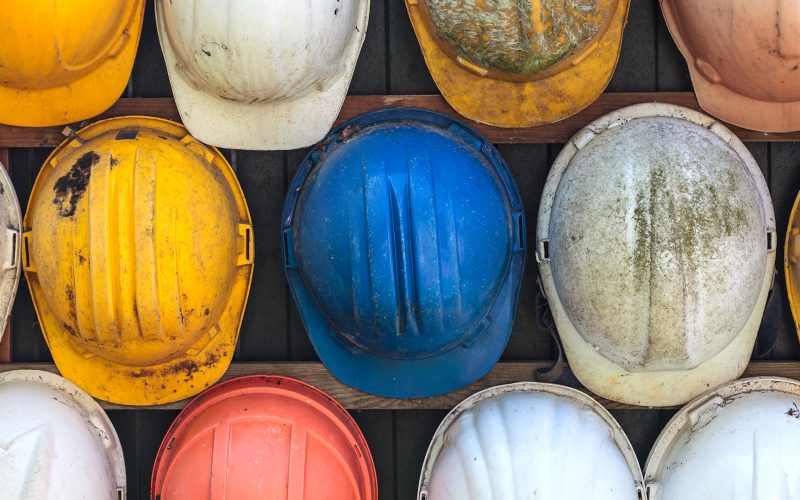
(744, 58)
(264, 437)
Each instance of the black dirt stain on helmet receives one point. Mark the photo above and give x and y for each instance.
(69, 188)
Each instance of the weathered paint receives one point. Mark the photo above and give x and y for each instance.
(660, 239)
(738, 442)
(56, 442)
(404, 246)
(513, 63)
(10, 243)
(250, 76)
(743, 57)
(518, 440)
(522, 37)
(140, 299)
(66, 61)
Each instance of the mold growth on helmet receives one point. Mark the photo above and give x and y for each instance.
(69, 188)
(517, 36)
(694, 228)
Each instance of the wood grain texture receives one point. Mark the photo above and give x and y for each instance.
(554, 133)
(317, 375)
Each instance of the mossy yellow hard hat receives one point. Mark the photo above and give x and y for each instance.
(138, 251)
(65, 61)
(519, 63)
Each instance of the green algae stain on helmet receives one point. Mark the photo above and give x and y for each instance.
(519, 38)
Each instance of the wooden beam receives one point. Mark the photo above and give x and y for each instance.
(5, 344)
(316, 374)
(559, 132)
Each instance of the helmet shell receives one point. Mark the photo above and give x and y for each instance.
(515, 441)
(743, 58)
(519, 39)
(735, 443)
(256, 74)
(264, 437)
(404, 240)
(123, 275)
(65, 61)
(659, 236)
(519, 63)
(10, 238)
(56, 442)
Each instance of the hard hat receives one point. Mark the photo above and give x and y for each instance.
(264, 437)
(791, 262)
(56, 442)
(656, 247)
(528, 441)
(519, 63)
(738, 442)
(138, 251)
(404, 246)
(65, 61)
(10, 229)
(743, 58)
(256, 74)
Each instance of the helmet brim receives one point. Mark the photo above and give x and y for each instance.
(269, 125)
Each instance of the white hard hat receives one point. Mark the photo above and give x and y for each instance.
(260, 74)
(10, 227)
(738, 442)
(55, 442)
(530, 441)
(656, 248)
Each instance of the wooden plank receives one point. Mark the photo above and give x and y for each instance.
(5, 344)
(554, 133)
(352, 399)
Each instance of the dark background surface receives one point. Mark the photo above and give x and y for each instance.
(391, 63)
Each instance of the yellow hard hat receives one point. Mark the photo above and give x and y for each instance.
(138, 250)
(519, 63)
(791, 262)
(65, 61)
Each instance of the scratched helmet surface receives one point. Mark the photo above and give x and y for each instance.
(737, 442)
(515, 441)
(743, 57)
(65, 61)
(282, 68)
(139, 300)
(404, 240)
(519, 63)
(264, 437)
(674, 278)
(56, 442)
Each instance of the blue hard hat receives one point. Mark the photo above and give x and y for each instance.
(404, 241)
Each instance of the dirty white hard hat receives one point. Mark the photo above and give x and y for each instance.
(10, 228)
(656, 248)
(260, 74)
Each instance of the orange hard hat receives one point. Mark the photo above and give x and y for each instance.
(264, 437)
(744, 58)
